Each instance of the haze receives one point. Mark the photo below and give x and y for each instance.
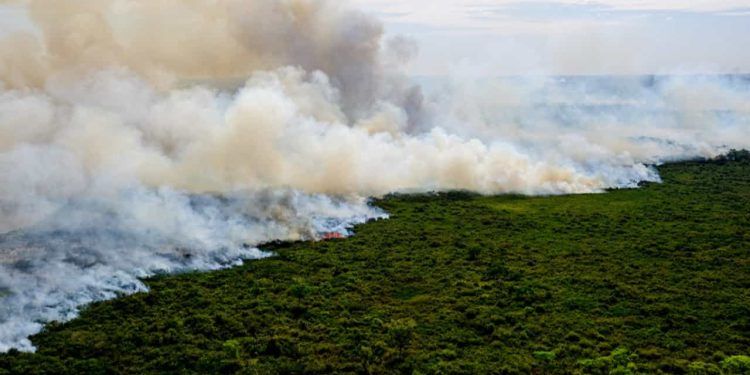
(572, 37)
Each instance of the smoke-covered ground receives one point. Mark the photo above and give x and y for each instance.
(132, 142)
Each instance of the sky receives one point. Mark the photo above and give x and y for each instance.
(507, 37)
(512, 37)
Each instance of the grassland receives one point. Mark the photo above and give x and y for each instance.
(650, 280)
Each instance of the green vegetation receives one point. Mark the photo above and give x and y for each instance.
(742, 156)
(652, 280)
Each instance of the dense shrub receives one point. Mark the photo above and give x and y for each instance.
(738, 364)
(457, 284)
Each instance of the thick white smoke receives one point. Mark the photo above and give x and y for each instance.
(139, 137)
(97, 246)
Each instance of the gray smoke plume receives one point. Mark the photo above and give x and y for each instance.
(139, 137)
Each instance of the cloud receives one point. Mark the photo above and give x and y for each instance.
(481, 14)
(624, 37)
(559, 11)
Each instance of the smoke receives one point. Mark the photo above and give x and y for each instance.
(96, 247)
(139, 137)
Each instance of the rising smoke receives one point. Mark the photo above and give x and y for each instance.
(139, 137)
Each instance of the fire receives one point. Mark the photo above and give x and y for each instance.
(331, 236)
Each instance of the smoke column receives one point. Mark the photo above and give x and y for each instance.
(139, 137)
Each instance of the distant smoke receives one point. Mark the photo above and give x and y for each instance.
(139, 137)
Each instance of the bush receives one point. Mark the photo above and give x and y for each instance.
(738, 364)
(474, 252)
(701, 368)
(735, 156)
(545, 356)
(400, 332)
(620, 361)
(738, 155)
